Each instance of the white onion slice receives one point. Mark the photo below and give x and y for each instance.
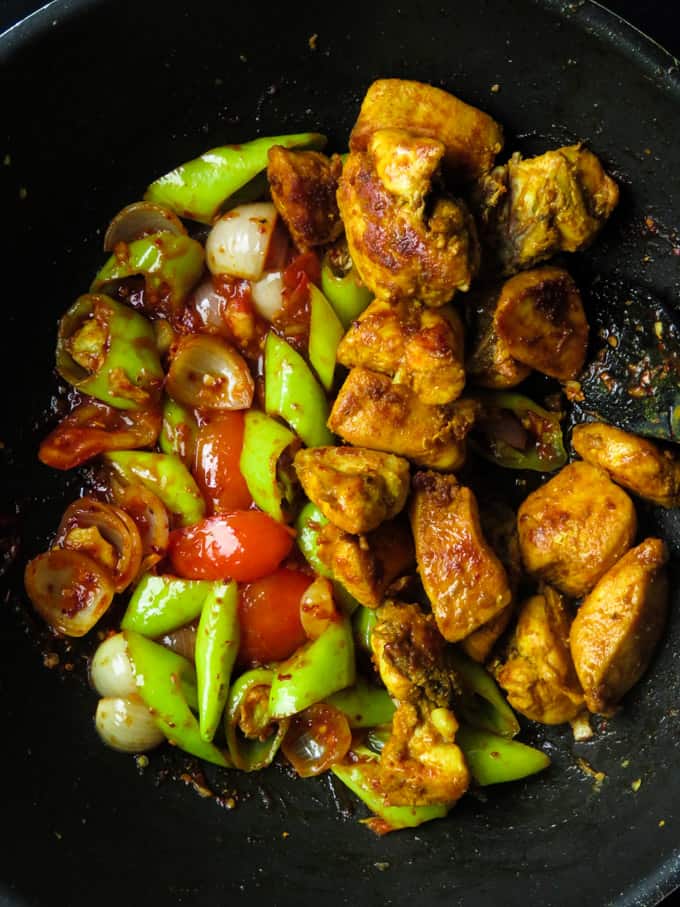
(111, 670)
(209, 305)
(127, 725)
(267, 295)
(239, 241)
(140, 219)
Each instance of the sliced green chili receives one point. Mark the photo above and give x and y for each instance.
(493, 759)
(343, 288)
(198, 189)
(162, 678)
(107, 350)
(166, 476)
(309, 521)
(161, 604)
(293, 393)
(171, 265)
(264, 442)
(318, 669)
(363, 621)
(178, 431)
(480, 701)
(325, 334)
(364, 705)
(217, 642)
(248, 704)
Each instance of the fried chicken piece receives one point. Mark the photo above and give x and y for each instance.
(303, 185)
(463, 578)
(356, 489)
(367, 565)
(617, 627)
(539, 676)
(471, 138)
(371, 411)
(415, 345)
(528, 210)
(540, 319)
(404, 242)
(575, 527)
(489, 362)
(636, 463)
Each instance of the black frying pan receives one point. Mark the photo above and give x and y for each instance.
(97, 99)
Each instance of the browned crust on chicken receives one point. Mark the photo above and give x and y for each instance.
(489, 362)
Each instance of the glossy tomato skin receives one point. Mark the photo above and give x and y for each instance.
(243, 545)
(216, 467)
(269, 614)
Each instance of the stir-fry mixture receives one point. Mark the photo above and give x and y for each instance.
(292, 381)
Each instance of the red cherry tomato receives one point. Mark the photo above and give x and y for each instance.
(269, 613)
(216, 466)
(243, 545)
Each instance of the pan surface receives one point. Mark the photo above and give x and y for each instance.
(100, 97)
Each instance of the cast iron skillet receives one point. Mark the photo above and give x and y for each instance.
(98, 98)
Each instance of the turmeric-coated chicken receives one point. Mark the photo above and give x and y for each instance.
(413, 344)
(471, 138)
(489, 362)
(529, 210)
(540, 319)
(619, 624)
(303, 185)
(539, 676)
(405, 241)
(355, 488)
(575, 527)
(372, 411)
(636, 463)
(462, 576)
(366, 565)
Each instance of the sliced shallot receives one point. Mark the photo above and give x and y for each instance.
(239, 241)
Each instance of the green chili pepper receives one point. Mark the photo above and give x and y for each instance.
(170, 263)
(481, 702)
(178, 431)
(493, 759)
(364, 705)
(198, 189)
(342, 286)
(309, 521)
(264, 441)
(377, 737)
(217, 642)
(325, 334)
(161, 604)
(245, 706)
(363, 621)
(293, 393)
(162, 677)
(393, 818)
(517, 433)
(318, 669)
(166, 476)
(107, 350)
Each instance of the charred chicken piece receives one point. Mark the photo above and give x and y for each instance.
(471, 138)
(404, 241)
(463, 578)
(489, 362)
(619, 624)
(371, 411)
(575, 527)
(529, 210)
(303, 185)
(540, 319)
(415, 345)
(539, 676)
(356, 489)
(637, 464)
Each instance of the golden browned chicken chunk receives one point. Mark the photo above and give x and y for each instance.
(575, 527)
(303, 185)
(540, 319)
(531, 209)
(539, 676)
(415, 345)
(371, 411)
(637, 464)
(367, 565)
(619, 624)
(409, 653)
(489, 362)
(355, 488)
(401, 246)
(470, 137)
(463, 578)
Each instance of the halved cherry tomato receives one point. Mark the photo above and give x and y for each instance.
(317, 738)
(269, 613)
(216, 467)
(243, 545)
